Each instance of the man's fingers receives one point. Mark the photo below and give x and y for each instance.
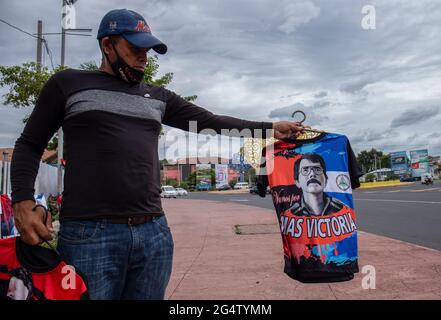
(49, 223)
(297, 126)
(30, 237)
(43, 230)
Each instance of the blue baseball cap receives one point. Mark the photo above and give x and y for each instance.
(132, 27)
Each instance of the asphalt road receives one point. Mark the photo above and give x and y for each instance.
(408, 213)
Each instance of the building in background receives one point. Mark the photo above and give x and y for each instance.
(419, 162)
(435, 166)
(183, 168)
(399, 163)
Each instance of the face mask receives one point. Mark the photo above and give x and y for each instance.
(124, 71)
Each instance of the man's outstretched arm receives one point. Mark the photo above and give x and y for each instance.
(180, 112)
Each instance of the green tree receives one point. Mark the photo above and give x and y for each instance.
(372, 159)
(89, 65)
(184, 185)
(25, 83)
(250, 175)
(171, 182)
(191, 180)
(370, 177)
(385, 161)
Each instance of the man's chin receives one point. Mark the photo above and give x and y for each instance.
(315, 188)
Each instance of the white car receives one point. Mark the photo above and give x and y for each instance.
(241, 185)
(168, 192)
(181, 192)
(426, 178)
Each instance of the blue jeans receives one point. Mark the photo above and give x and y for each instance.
(119, 261)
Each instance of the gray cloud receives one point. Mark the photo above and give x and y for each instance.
(355, 86)
(369, 135)
(321, 104)
(284, 113)
(247, 58)
(434, 135)
(412, 117)
(321, 94)
(294, 14)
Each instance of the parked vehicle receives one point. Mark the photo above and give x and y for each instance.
(241, 185)
(223, 187)
(168, 192)
(181, 192)
(408, 179)
(203, 186)
(426, 178)
(254, 190)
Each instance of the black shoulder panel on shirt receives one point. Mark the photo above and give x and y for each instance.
(355, 171)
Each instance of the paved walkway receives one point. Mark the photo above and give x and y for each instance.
(213, 262)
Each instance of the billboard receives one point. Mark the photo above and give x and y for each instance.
(203, 176)
(419, 162)
(399, 163)
(221, 175)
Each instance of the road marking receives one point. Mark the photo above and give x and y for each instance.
(409, 201)
(239, 200)
(423, 190)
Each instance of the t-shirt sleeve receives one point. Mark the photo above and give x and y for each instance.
(179, 112)
(355, 171)
(44, 121)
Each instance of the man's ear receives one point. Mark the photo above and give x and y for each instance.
(106, 45)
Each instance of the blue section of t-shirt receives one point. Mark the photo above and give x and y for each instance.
(346, 251)
(332, 148)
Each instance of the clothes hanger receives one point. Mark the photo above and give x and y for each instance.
(306, 128)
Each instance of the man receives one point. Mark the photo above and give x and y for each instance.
(113, 228)
(310, 176)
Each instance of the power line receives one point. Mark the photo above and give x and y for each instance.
(46, 45)
(49, 52)
(71, 34)
(21, 30)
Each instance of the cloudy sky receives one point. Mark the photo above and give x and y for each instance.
(263, 59)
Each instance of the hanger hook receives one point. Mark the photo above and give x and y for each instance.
(302, 113)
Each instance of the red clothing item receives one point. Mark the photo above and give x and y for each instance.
(7, 216)
(37, 273)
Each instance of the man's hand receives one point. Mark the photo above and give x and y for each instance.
(30, 223)
(287, 129)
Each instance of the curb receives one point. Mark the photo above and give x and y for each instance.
(384, 185)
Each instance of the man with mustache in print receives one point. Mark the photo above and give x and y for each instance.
(310, 176)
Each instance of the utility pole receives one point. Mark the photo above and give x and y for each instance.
(60, 131)
(241, 155)
(65, 21)
(39, 43)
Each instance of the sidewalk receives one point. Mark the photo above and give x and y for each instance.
(212, 262)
